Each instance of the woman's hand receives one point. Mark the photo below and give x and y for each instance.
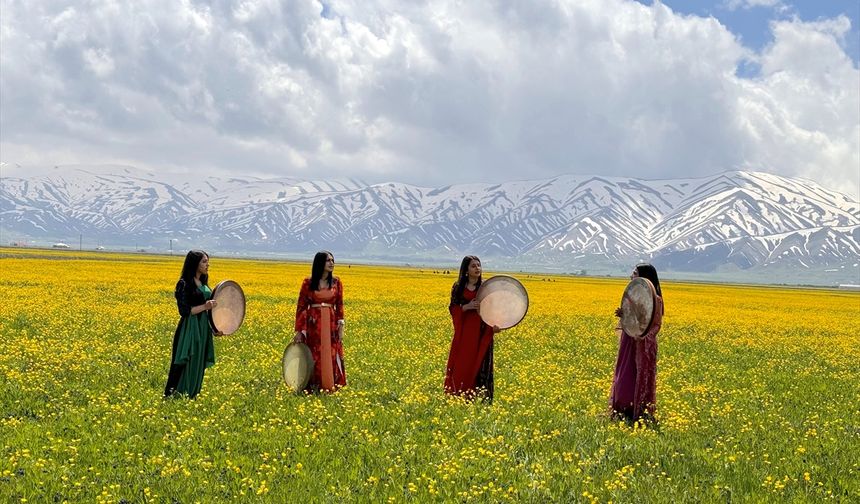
(211, 304)
(472, 305)
(299, 337)
(619, 312)
(339, 332)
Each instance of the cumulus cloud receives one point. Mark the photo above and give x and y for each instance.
(429, 92)
(802, 115)
(749, 4)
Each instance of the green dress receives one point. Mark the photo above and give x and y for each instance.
(195, 349)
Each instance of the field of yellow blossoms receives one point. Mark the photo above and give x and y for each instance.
(757, 390)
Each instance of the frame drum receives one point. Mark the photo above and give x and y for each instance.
(637, 307)
(504, 301)
(227, 316)
(297, 365)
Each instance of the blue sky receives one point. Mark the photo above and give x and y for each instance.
(751, 22)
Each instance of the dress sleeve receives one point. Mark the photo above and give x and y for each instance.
(301, 307)
(454, 307)
(338, 303)
(183, 304)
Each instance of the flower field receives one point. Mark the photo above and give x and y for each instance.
(757, 393)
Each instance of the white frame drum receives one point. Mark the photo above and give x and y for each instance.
(504, 301)
(297, 366)
(637, 307)
(229, 312)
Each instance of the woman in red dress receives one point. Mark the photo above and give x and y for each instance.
(634, 385)
(319, 323)
(470, 361)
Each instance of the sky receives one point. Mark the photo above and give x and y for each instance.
(434, 92)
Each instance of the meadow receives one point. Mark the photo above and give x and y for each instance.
(757, 392)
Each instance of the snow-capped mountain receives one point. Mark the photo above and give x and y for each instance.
(743, 219)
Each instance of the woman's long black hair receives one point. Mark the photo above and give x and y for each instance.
(463, 278)
(189, 269)
(648, 271)
(318, 268)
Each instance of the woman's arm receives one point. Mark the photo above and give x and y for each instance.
(338, 303)
(183, 304)
(338, 311)
(302, 308)
(454, 307)
(202, 308)
(183, 301)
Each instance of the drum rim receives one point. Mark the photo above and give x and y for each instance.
(522, 287)
(653, 300)
(219, 286)
(307, 353)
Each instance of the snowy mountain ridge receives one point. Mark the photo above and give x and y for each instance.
(744, 219)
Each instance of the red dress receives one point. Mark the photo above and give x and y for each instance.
(470, 361)
(634, 385)
(317, 313)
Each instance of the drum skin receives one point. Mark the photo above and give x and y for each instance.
(637, 307)
(229, 312)
(297, 366)
(504, 301)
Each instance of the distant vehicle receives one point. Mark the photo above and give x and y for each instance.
(100, 248)
(61, 245)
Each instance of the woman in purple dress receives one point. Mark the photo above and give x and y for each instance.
(634, 386)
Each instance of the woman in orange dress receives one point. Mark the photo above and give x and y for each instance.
(470, 361)
(320, 321)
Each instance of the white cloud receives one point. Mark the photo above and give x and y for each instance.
(802, 116)
(99, 61)
(430, 92)
(749, 4)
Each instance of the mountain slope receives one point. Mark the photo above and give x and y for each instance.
(742, 219)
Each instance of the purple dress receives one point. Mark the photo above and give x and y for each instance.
(634, 386)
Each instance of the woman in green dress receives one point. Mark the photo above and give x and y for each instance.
(193, 345)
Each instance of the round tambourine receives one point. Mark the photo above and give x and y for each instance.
(637, 307)
(504, 301)
(229, 312)
(297, 366)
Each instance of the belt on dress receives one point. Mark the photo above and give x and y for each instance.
(321, 305)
